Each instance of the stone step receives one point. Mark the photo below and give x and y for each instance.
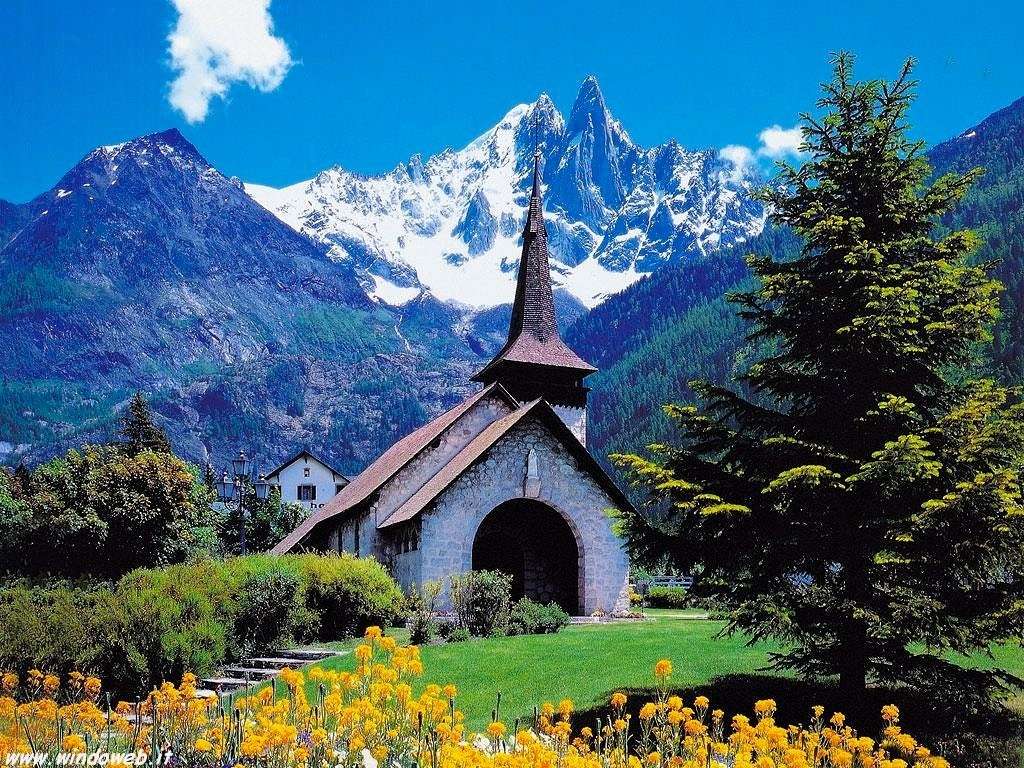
(273, 662)
(307, 655)
(254, 673)
(227, 683)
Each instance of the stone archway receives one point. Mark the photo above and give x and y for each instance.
(534, 544)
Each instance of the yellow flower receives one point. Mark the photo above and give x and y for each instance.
(73, 743)
(890, 713)
(647, 711)
(496, 729)
(9, 682)
(202, 745)
(764, 707)
(618, 700)
(663, 668)
(50, 684)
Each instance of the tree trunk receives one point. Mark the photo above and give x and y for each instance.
(853, 666)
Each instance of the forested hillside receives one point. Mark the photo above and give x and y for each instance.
(675, 326)
(653, 339)
(995, 210)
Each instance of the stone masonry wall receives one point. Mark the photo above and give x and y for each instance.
(406, 482)
(449, 527)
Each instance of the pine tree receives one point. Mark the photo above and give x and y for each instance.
(139, 431)
(862, 505)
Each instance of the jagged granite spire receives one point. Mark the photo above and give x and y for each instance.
(534, 350)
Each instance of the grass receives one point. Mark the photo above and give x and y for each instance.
(584, 663)
(588, 663)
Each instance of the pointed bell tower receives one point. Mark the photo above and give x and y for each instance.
(535, 362)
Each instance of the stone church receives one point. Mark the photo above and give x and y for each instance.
(501, 481)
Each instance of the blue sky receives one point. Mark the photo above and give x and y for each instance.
(365, 85)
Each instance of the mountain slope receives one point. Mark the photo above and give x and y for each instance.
(615, 211)
(995, 209)
(656, 336)
(145, 268)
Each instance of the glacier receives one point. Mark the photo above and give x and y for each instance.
(449, 226)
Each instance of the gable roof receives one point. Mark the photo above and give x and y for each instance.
(298, 455)
(479, 446)
(371, 479)
(533, 331)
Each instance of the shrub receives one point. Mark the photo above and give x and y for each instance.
(481, 600)
(459, 635)
(348, 593)
(270, 610)
(528, 617)
(421, 606)
(666, 597)
(156, 624)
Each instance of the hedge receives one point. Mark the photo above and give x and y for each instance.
(154, 624)
(666, 597)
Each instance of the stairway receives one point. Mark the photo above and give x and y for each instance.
(257, 669)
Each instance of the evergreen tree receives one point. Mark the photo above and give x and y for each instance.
(139, 431)
(862, 504)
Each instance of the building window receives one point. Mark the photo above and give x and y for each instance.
(305, 472)
(337, 488)
(357, 538)
(307, 493)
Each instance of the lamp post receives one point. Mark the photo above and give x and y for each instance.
(235, 492)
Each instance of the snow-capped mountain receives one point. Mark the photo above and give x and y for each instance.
(615, 211)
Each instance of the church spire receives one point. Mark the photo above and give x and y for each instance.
(535, 362)
(533, 310)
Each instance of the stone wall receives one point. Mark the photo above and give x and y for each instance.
(449, 527)
(575, 419)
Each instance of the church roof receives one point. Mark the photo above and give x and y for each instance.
(370, 480)
(533, 332)
(476, 448)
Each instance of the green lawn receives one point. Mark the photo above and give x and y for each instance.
(588, 663)
(584, 663)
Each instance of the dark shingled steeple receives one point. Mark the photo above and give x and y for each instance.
(535, 362)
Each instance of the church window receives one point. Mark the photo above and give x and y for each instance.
(306, 493)
(305, 472)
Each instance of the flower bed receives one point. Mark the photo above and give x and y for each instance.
(374, 716)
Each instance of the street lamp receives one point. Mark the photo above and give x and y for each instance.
(236, 491)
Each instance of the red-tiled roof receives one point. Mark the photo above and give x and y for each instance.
(370, 480)
(479, 446)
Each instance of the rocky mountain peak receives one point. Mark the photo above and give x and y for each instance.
(589, 107)
(614, 211)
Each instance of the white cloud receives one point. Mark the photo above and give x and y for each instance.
(216, 43)
(778, 142)
(742, 158)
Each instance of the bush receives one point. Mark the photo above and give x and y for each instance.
(481, 601)
(459, 635)
(532, 618)
(156, 624)
(421, 607)
(666, 597)
(348, 594)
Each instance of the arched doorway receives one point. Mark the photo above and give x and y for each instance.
(534, 544)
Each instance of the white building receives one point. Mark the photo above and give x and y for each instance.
(307, 479)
